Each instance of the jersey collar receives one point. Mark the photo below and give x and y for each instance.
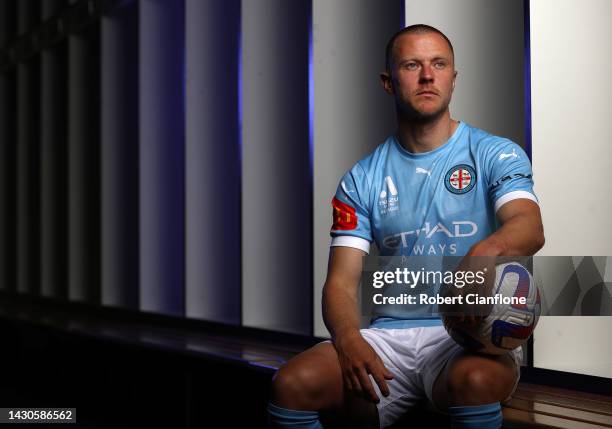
(453, 138)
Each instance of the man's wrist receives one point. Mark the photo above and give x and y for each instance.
(498, 245)
(491, 246)
(345, 334)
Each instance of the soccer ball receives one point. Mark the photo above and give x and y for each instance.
(507, 326)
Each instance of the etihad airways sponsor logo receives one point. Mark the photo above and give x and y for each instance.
(457, 229)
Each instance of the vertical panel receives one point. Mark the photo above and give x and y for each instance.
(7, 149)
(487, 37)
(162, 156)
(570, 114)
(28, 15)
(83, 166)
(53, 163)
(352, 113)
(7, 20)
(276, 182)
(28, 205)
(212, 161)
(7, 156)
(119, 157)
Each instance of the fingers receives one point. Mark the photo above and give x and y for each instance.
(366, 385)
(380, 374)
(352, 382)
(358, 361)
(358, 382)
(454, 321)
(465, 320)
(388, 375)
(356, 385)
(348, 382)
(469, 323)
(475, 321)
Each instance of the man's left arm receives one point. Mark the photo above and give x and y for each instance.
(521, 232)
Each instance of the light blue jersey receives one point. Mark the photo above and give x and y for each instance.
(437, 203)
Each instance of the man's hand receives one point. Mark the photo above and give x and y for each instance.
(357, 360)
(480, 258)
(521, 234)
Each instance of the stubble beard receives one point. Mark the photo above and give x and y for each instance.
(408, 112)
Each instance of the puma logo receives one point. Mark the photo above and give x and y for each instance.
(420, 170)
(508, 155)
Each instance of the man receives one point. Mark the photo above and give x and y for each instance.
(438, 186)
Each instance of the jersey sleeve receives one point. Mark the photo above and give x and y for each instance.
(510, 174)
(350, 211)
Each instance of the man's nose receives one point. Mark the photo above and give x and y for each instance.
(426, 75)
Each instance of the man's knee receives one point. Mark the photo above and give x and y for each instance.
(296, 387)
(479, 382)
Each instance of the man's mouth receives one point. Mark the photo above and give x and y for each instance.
(426, 93)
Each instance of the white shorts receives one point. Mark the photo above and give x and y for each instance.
(415, 356)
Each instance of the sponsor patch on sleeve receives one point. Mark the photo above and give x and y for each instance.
(345, 217)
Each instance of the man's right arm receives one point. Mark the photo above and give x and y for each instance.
(341, 316)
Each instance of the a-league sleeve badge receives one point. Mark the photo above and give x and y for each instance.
(345, 217)
(460, 179)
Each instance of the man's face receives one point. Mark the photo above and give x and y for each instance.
(422, 76)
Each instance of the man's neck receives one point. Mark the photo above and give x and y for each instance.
(418, 137)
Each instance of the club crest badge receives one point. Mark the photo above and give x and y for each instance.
(460, 179)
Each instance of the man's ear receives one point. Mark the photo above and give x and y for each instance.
(454, 78)
(386, 82)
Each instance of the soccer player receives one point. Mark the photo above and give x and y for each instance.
(437, 187)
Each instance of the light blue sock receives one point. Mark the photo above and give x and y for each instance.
(281, 418)
(487, 416)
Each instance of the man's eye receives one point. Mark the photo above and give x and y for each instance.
(411, 66)
(439, 65)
